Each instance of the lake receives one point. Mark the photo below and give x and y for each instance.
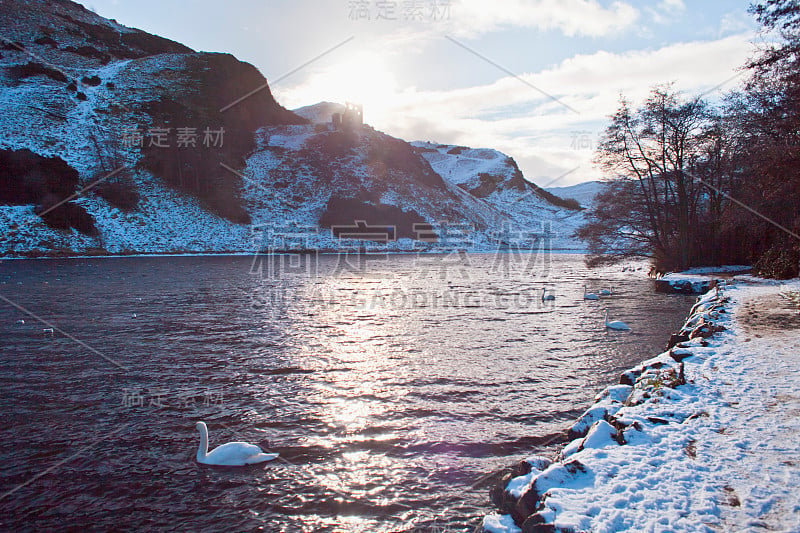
(393, 386)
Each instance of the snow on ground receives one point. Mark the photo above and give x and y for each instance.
(512, 200)
(718, 453)
(282, 190)
(462, 165)
(584, 193)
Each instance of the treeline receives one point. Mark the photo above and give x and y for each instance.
(693, 184)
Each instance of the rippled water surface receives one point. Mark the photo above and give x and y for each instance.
(393, 387)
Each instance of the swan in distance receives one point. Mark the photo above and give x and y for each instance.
(547, 297)
(604, 292)
(589, 295)
(231, 453)
(616, 324)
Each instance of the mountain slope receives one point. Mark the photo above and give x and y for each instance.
(118, 141)
(584, 193)
(494, 179)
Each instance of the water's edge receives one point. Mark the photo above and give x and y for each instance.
(523, 510)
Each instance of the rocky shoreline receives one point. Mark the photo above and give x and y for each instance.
(522, 495)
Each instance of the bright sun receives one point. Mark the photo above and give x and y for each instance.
(361, 78)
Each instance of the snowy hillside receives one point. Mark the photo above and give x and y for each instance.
(126, 127)
(584, 193)
(320, 113)
(494, 180)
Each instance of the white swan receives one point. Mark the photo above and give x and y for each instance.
(616, 324)
(547, 297)
(231, 453)
(604, 292)
(589, 295)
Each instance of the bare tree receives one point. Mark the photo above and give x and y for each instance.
(653, 150)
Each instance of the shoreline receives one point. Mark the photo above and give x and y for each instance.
(640, 457)
(561, 251)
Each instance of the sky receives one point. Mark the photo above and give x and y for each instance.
(536, 79)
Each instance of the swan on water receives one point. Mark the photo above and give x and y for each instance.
(231, 453)
(604, 292)
(616, 324)
(547, 297)
(589, 295)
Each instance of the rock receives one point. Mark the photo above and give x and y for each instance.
(495, 522)
(581, 426)
(528, 504)
(538, 463)
(601, 435)
(629, 377)
(615, 393)
(506, 492)
(537, 524)
(705, 330)
(679, 354)
(498, 494)
(675, 339)
(683, 286)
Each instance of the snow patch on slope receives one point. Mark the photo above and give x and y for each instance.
(584, 193)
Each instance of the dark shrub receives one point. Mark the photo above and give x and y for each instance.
(21, 72)
(67, 215)
(110, 85)
(488, 183)
(46, 41)
(423, 149)
(80, 96)
(567, 203)
(92, 81)
(342, 215)
(89, 52)
(572, 203)
(781, 261)
(27, 177)
(121, 193)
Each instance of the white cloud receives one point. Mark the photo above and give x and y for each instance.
(539, 133)
(666, 11)
(571, 17)
(672, 5)
(736, 22)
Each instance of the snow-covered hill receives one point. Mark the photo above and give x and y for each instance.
(496, 183)
(320, 113)
(96, 99)
(584, 193)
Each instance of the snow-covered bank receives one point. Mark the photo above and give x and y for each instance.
(700, 438)
(696, 280)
